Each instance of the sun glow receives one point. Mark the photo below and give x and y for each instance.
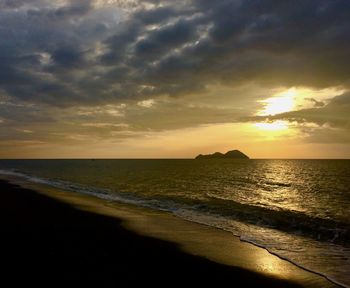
(272, 126)
(286, 101)
(280, 103)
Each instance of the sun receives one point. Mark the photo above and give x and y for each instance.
(280, 103)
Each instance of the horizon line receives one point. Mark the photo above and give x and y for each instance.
(164, 158)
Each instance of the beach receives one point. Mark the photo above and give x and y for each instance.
(57, 238)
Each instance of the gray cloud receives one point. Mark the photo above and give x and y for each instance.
(172, 48)
(12, 4)
(60, 57)
(316, 103)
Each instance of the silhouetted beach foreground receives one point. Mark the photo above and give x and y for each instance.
(57, 238)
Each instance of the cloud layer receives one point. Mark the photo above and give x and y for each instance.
(65, 56)
(69, 52)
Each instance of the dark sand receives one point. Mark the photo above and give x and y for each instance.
(47, 242)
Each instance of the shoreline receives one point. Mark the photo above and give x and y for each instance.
(218, 247)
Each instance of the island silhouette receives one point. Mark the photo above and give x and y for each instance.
(233, 154)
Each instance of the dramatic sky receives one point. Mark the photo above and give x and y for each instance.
(153, 78)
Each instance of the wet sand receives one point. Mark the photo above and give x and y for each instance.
(55, 238)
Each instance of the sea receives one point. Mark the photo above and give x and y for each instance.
(298, 210)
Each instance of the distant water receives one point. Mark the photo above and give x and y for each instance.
(296, 209)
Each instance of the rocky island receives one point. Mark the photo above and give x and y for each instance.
(233, 154)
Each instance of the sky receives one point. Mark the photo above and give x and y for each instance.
(172, 79)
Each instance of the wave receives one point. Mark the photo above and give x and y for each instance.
(106, 194)
(284, 220)
(248, 222)
(289, 221)
(241, 231)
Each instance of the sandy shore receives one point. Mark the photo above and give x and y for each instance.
(57, 238)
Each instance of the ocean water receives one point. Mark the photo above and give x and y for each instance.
(296, 209)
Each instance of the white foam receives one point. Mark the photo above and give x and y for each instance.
(239, 229)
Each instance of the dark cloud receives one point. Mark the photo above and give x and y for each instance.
(164, 40)
(157, 15)
(171, 47)
(62, 56)
(15, 114)
(316, 103)
(67, 57)
(12, 4)
(74, 9)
